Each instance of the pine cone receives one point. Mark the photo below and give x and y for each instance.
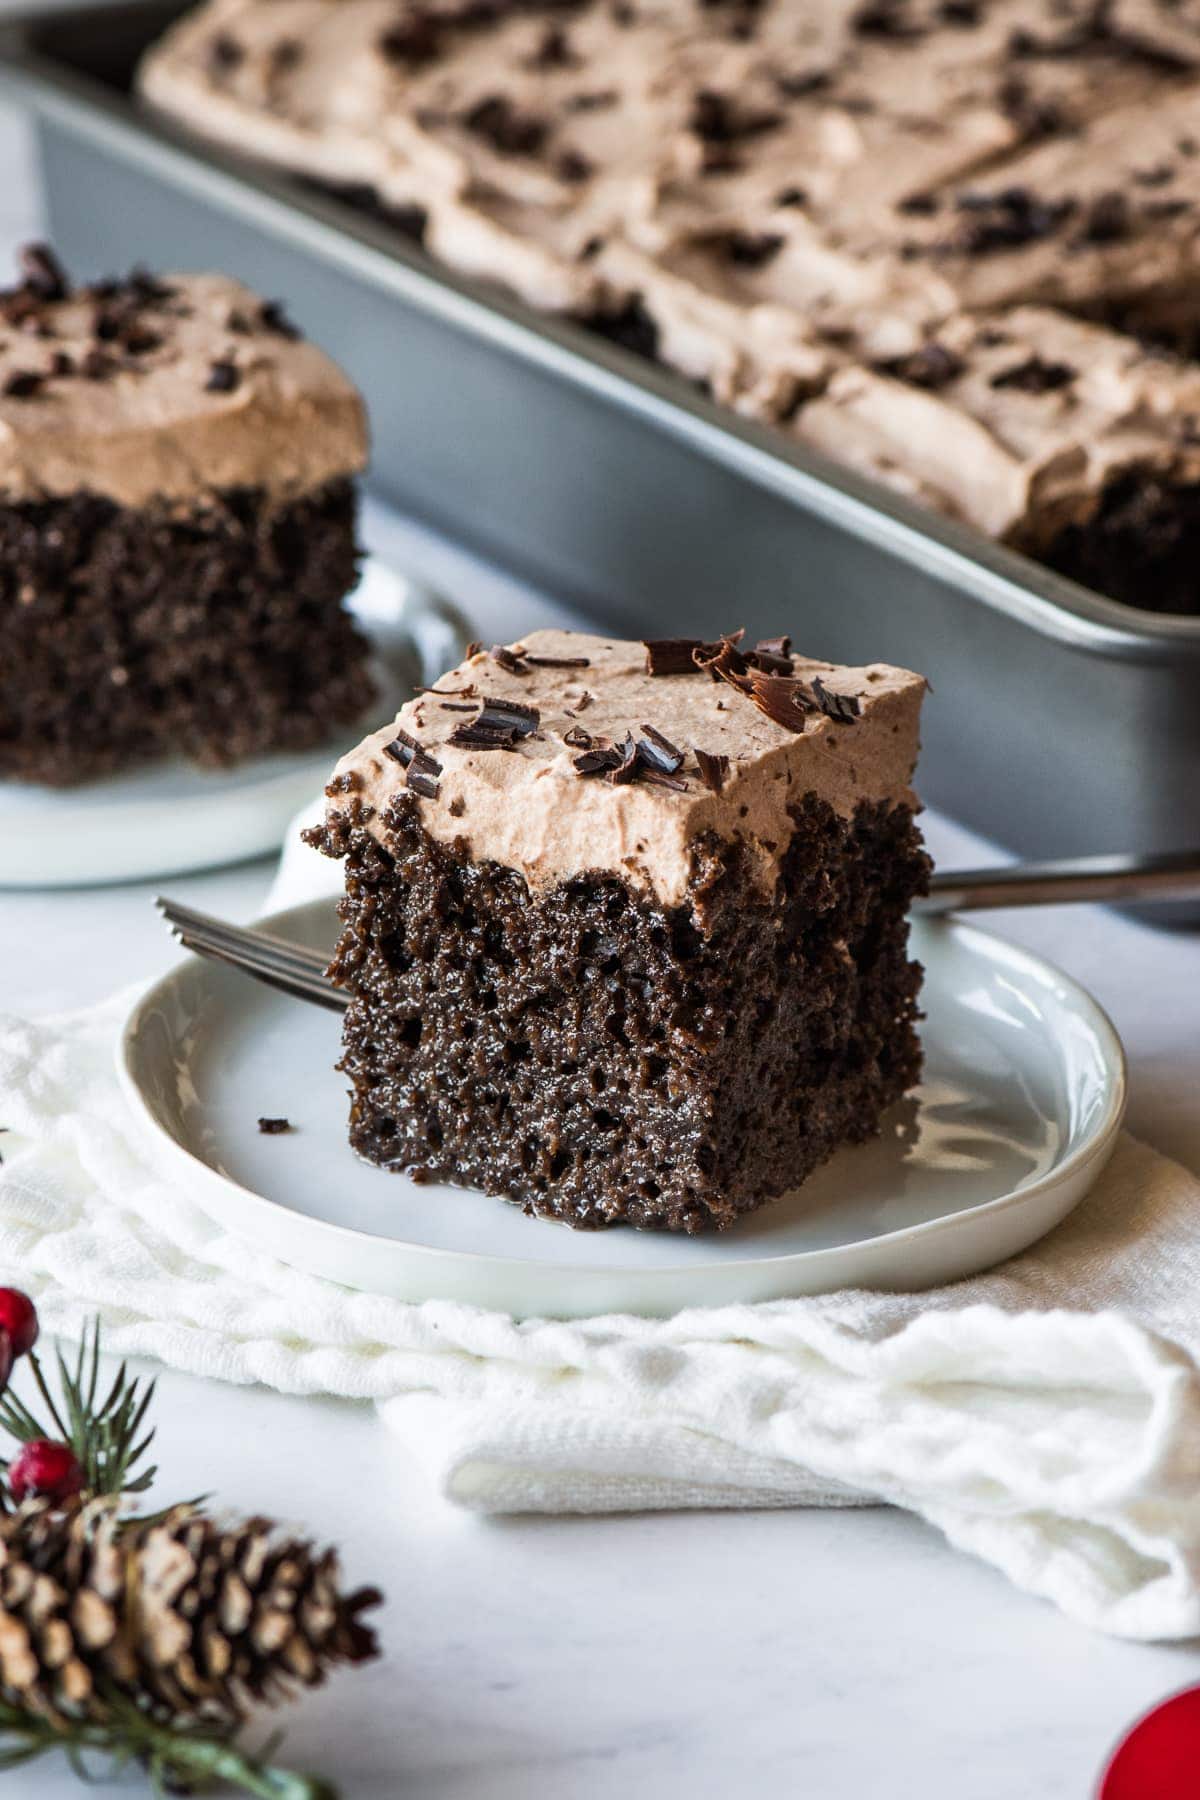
(195, 1621)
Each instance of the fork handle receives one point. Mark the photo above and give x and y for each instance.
(1173, 875)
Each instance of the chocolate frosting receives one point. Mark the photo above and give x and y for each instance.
(166, 390)
(1029, 416)
(792, 200)
(528, 808)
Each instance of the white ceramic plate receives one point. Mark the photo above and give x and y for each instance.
(169, 818)
(1023, 1095)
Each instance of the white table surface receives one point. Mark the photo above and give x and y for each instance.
(834, 1655)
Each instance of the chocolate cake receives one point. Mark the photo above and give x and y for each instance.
(761, 194)
(625, 925)
(177, 527)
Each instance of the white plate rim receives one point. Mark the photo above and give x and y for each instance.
(1095, 1144)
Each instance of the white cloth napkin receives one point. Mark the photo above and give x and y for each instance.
(1045, 1416)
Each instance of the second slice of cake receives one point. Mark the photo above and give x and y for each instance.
(177, 527)
(626, 924)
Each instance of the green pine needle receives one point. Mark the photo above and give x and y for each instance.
(177, 1760)
(106, 1436)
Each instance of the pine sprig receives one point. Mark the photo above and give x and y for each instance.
(178, 1760)
(106, 1435)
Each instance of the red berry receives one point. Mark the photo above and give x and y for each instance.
(18, 1316)
(45, 1471)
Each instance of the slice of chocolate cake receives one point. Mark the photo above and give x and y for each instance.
(625, 925)
(177, 527)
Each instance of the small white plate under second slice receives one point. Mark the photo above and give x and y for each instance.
(171, 817)
(1019, 1109)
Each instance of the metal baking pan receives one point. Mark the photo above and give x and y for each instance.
(1060, 722)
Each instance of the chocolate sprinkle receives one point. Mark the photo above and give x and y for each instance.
(273, 317)
(223, 377)
(44, 274)
(513, 133)
(932, 366)
(412, 41)
(841, 708)
(22, 384)
(1009, 219)
(748, 250)
(558, 662)
(97, 365)
(273, 1127)
(1035, 376)
(713, 770)
(225, 52)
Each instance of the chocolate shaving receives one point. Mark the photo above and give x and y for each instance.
(841, 708)
(773, 655)
(781, 697)
(578, 738)
(626, 766)
(273, 1127)
(223, 377)
(402, 749)
(597, 761)
(498, 725)
(44, 274)
(674, 656)
(725, 662)
(713, 770)
(472, 649)
(509, 660)
(457, 706)
(558, 662)
(421, 770)
(424, 781)
(659, 752)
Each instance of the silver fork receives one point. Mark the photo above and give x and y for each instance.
(1175, 876)
(274, 960)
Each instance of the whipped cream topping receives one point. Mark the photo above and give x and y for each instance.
(528, 809)
(167, 389)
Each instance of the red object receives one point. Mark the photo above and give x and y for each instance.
(1160, 1759)
(42, 1470)
(18, 1316)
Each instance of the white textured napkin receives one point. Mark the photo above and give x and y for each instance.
(1045, 1416)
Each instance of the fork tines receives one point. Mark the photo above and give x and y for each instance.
(292, 968)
